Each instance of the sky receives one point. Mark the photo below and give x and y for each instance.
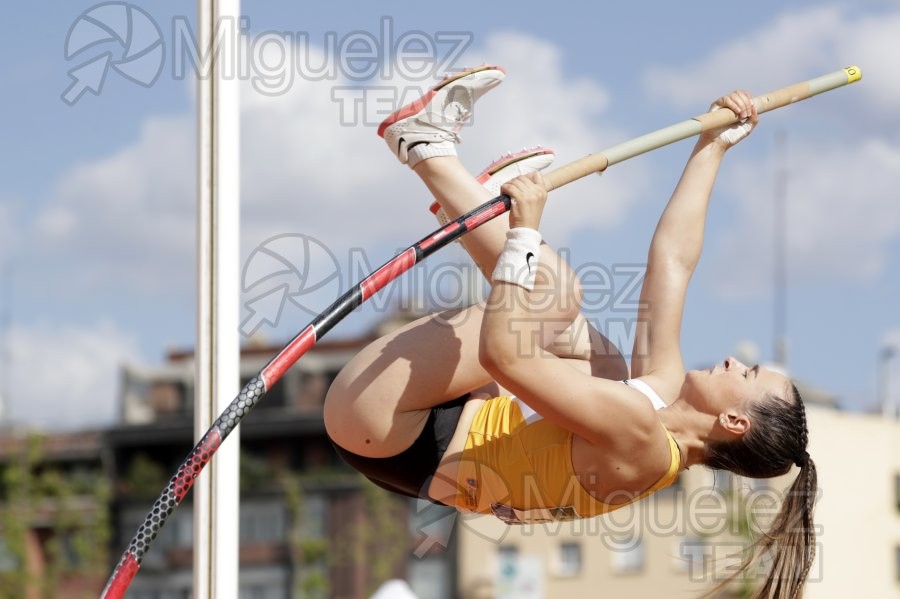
(97, 197)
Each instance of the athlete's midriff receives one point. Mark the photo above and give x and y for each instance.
(527, 465)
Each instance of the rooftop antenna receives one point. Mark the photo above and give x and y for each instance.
(780, 253)
(6, 285)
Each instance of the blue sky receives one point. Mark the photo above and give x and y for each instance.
(96, 201)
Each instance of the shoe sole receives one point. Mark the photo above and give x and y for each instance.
(417, 106)
(500, 164)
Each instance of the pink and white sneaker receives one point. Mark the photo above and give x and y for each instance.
(437, 117)
(507, 167)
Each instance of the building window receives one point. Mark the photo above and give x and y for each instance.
(431, 525)
(897, 562)
(508, 560)
(68, 551)
(182, 527)
(260, 592)
(166, 398)
(628, 558)
(309, 392)
(8, 561)
(314, 519)
(507, 552)
(568, 561)
(176, 534)
(897, 491)
(723, 482)
(692, 555)
(430, 577)
(160, 594)
(262, 522)
(520, 575)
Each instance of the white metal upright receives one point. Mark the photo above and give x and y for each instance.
(217, 353)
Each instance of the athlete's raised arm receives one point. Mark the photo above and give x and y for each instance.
(675, 250)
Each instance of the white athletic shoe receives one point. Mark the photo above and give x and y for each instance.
(438, 115)
(507, 167)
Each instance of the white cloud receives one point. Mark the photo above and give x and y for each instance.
(840, 216)
(310, 165)
(891, 338)
(873, 42)
(126, 219)
(10, 227)
(66, 377)
(795, 46)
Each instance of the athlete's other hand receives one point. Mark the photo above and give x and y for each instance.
(740, 103)
(528, 195)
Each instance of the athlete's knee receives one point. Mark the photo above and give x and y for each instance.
(330, 412)
(574, 289)
(560, 284)
(337, 403)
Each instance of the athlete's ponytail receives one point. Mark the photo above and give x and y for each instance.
(777, 439)
(791, 541)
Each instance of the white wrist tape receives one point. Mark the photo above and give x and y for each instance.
(518, 261)
(736, 133)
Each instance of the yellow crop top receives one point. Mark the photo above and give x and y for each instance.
(518, 466)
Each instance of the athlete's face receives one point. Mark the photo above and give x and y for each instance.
(728, 386)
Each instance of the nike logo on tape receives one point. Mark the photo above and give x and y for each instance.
(528, 258)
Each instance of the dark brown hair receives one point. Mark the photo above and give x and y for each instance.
(776, 440)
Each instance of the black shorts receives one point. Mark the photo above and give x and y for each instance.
(408, 472)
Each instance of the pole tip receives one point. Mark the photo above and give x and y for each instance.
(854, 73)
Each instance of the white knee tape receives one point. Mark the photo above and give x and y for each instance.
(518, 261)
